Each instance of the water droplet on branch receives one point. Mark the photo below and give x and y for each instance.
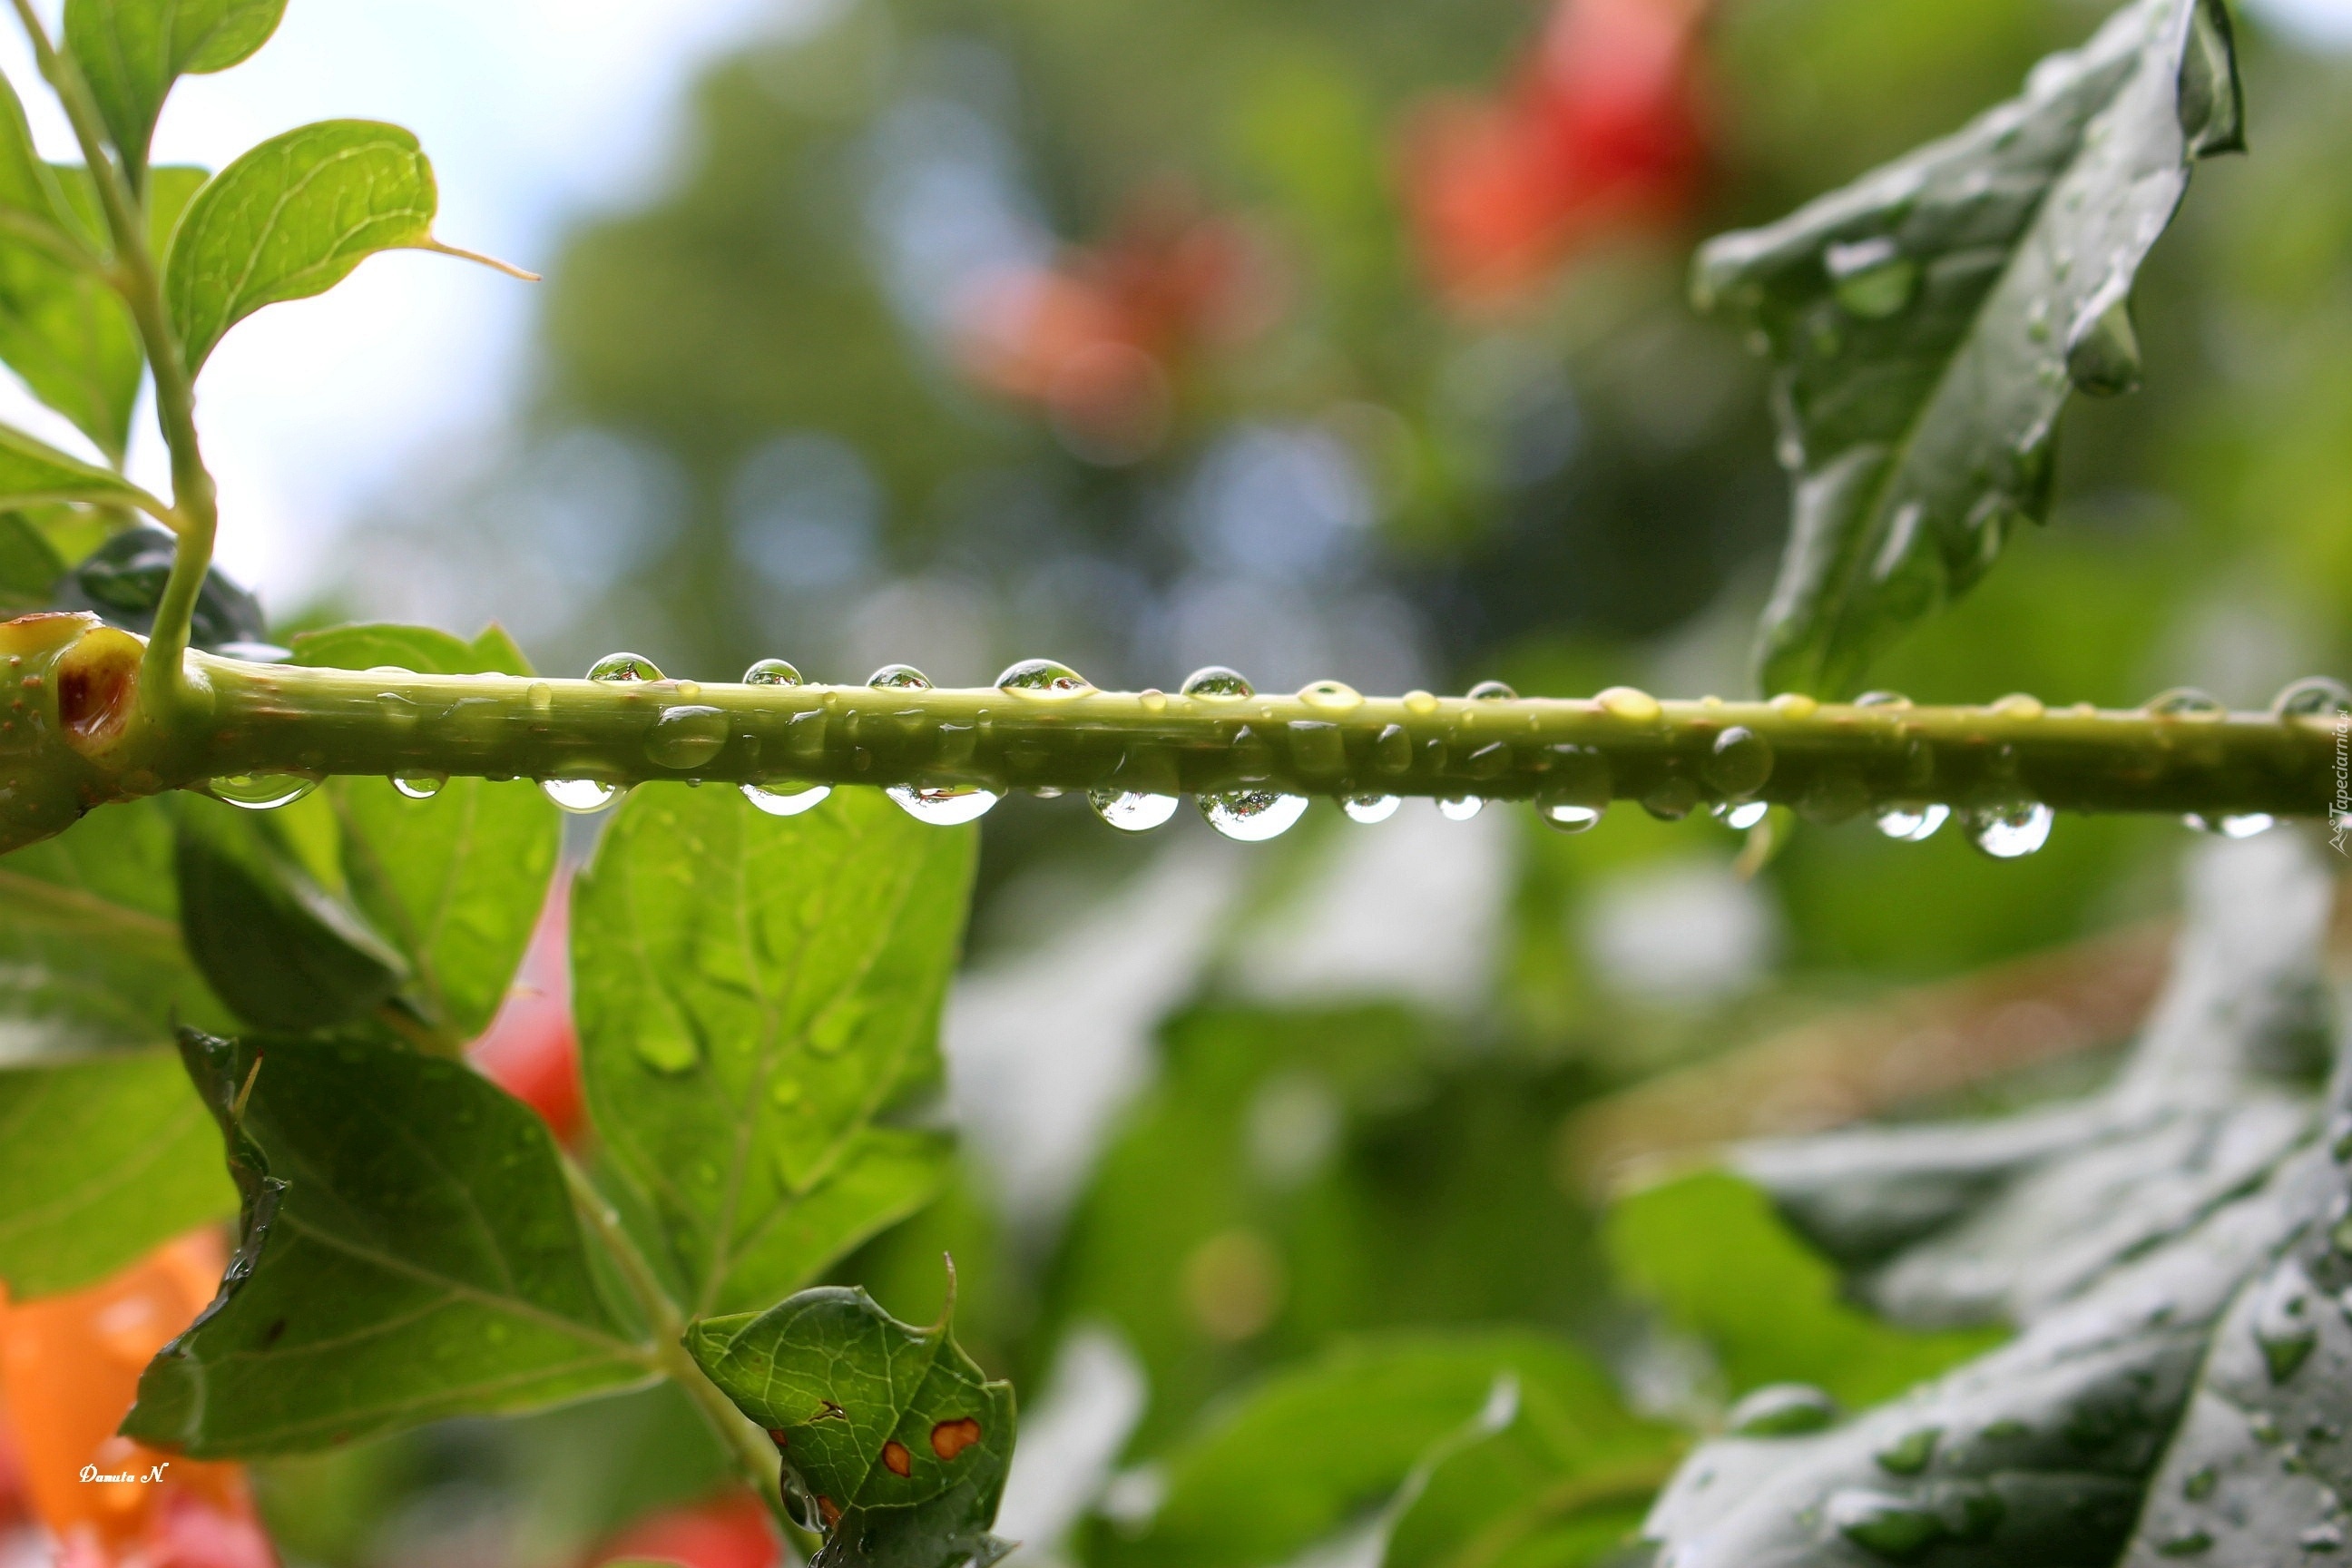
(1491, 691)
(944, 805)
(1218, 684)
(580, 795)
(2008, 831)
(772, 672)
(1740, 763)
(1460, 807)
(260, 791)
(687, 736)
(1369, 808)
(615, 668)
(419, 785)
(2243, 825)
(899, 677)
(1131, 811)
(1043, 679)
(2185, 702)
(1629, 703)
(1911, 823)
(2315, 696)
(1332, 695)
(786, 799)
(1253, 816)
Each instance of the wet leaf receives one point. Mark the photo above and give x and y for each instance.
(100, 1161)
(1930, 320)
(894, 1442)
(283, 951)
(455, 881)
(752, 992)
(409, 1252)
(90, 954)
(292, 218)
(1412, 1448)
(2158, 1262)
(131, 51)
(2006, 1219)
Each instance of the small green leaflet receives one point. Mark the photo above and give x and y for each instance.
(425, 650)
(131, 52)
(1930, 320)
(2168, 1250)
(33, 210)
(101, 1160)
(752, 993)
(292, 218)
(410, 1252)
(33, 471)
(894, 1443)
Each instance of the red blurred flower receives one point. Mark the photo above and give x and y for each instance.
(1603, 130)
(1095, 339)
(531, 1048)
(731, 1530)
(70, 1367)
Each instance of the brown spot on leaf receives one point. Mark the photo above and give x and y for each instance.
(828, 1511)
(949, 1439)
(895, 1455)
(98, 684)
(273, 1333)
(777, 1436)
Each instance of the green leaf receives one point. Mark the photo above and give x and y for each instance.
(751, 992)
(1929, 320)
(99, 1161)
(131, 51)
(456, 881)
(410, 1253)
(1427, 1439)
(283, 951)
(1707, 1248)
(2158, 1257)
(31, 207)
(90, 954)
(292, 218)
(29, 567)
(895, 1440)
(71, 338)
(33, 471)
(123, 580)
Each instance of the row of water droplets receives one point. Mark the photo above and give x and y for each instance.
(686, 735)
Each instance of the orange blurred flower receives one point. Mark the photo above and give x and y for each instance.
(731, 1530)
(531, 1048)
(70, 1367)
(1601, 131)
(1096, 338)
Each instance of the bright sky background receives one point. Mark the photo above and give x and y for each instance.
(533, 111)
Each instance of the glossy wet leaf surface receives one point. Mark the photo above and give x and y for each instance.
(2143, 1267)
(282, 950)
(1930, 321)
(752, 992)
(292, 218)
(1421, 1449)
(101, 1160)
(90, 950)
(894, 1441)
(410, 1252)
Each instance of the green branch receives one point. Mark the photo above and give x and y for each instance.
(1828, 760)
